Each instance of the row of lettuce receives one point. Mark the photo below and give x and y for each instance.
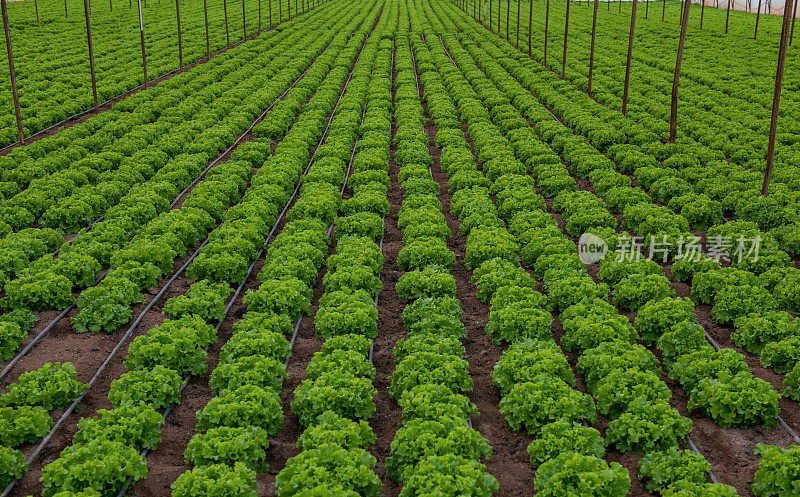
(160, 362)
(435, 451)
(718, 382)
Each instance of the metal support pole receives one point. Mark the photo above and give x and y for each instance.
(508, 19)
(66, 14)
(663, 10)
(673, 118)
(776, 99)
(564, 56)
(227, 32)
(244, 22)
(91, 50)
(546, 27)
(208, 39)
(270, 14)
(259, 16)
(530, 25)
(490, 14)
(13, 73)
(591, 51)
(702, 10)
(727, 16)
(758, 14)
(141, 36)
(519, 6)
(630, 56)
(180, 39)
(499, 11)
(646, 8)
(794, 16)
(36, 6)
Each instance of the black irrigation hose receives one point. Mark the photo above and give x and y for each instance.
(788, 429)
(66, 311)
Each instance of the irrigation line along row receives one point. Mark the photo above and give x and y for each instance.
(788, 429)
(147, 84)
(63, 314)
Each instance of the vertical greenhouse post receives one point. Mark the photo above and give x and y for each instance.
(646, 8)
(36, 6)
(91, 50)
(628, 63)
(208, 40)
(530, 25)
(508, 18)
(776, 99)
(259, 16)
(564, 56)
(702, 10)
(794, 16)
(13, 74)
(499, 11)
(180, 39)
(591, 51)
(663, 10)
(66, 14)
(758, 14)
(244, 22)
(673, 111)
(727, 16)
(546, 26)
(227, 32)
(141, 37)
(519, 6)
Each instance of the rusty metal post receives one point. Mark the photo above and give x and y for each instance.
(727, 16)
(546, 27)
(490, 14)
(794, 16)
(702, 9)
(508, 18)
(208, 39)
(499, 11)
(141, 36)
(519, 6)
(530, 26)
(66, 14)
(12, 72)
(630, 56)
(244, 22)
(673, 117)
(36, 6)
(91, 50)
(566, 32)
(227, 32)
(646, 8)
(270, 14)
(110, 8)
(776, 99)
(620, 6)
(591, 51)
(758, 14)
(180, 39)
(259, 16)
(663, 10)
(289, 9)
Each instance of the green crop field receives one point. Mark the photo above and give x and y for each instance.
(381, 248)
